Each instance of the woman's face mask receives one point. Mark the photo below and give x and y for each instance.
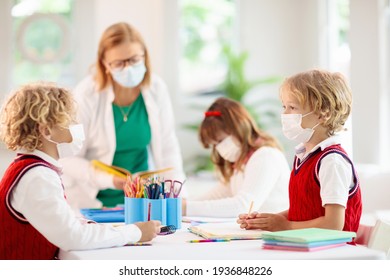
(228, 149)
(130, 76)
(293, 130)
(74, 147)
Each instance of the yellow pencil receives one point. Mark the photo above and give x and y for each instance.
(250, 208)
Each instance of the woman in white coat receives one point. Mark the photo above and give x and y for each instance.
(128, 121)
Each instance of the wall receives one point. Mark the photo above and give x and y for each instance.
(272, 49)
(5, 49)
(369, 85)
(148, 19)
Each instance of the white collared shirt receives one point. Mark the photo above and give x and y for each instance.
(335, 173)
(263, 180)
(39, 197)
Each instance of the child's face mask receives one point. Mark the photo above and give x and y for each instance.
(228, 149)
(74, 147)
(293, 130)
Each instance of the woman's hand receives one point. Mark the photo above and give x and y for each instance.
(119, 182)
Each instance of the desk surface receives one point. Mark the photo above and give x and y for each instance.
(175, 247)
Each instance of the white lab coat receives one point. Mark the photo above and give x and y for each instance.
(82, 182)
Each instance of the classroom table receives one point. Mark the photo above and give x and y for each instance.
(176, 247)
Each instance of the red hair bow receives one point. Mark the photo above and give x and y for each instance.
(212, 114)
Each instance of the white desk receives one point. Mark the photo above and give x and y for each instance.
(175, 247)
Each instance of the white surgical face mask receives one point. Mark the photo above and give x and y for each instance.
(228, 149)
(130, 76)
(293, 130)
(74, 147)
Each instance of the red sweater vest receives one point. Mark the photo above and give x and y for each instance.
(304, 190)
(18, 238)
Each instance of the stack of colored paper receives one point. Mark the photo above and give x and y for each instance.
(309, 239)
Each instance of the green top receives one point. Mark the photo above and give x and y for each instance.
(133, 135)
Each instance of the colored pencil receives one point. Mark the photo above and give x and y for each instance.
(139, 244)
(250, 208)
(208, 240)
(149, 206)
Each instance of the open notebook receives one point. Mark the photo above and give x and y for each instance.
(230, 230)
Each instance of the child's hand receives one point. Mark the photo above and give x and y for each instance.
(149, 230)
(242, 219)
(184, 206)
(266, 221)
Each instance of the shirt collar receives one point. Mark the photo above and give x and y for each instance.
(301, 153)
(45, 157)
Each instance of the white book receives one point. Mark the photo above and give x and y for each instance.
(230, 230)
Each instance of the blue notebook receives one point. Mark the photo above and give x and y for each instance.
(114, 215)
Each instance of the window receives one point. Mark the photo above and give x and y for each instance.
(41, 41)
(205, 28)
(339, 51)
(339, 54)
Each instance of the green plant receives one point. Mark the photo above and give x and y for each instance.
(236, 85)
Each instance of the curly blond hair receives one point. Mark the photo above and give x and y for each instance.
(326, 93)
(29, 107)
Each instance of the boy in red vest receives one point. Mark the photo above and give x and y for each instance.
(35, 219)
(324, 188)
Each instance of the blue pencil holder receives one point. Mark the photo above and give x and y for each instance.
(174, 214)
(135, 210)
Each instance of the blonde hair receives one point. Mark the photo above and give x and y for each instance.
(233, 120)
(30, 106)
(326, 93)
(113, 36)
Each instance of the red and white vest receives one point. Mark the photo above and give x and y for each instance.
(18, 238)
(304, 190)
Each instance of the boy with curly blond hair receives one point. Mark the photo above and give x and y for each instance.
(35, 218)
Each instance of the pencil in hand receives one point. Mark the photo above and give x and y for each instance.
(250, 208)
